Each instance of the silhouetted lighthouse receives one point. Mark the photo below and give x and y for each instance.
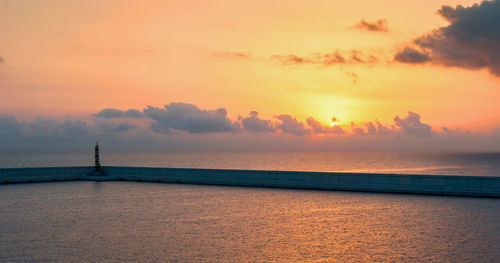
(97, 163)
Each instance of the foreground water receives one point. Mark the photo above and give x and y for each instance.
(475, 164)
(122, 221)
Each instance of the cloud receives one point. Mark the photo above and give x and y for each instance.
(106, 125)
(326, 59)
(412, 56)
(290, 125)
(133, 113)
(357, 130)
(9, 126)
(75, 128)
(318, 128)
(115, 113)
(255, 124)
(411, 125)
(383, 130)
(1, 60)
(470, 41)
(188, 117)
(238, 55)
(371, 128)
(376, 26)
(408, 133)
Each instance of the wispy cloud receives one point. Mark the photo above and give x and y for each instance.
(379, 25)
(236, 55)
(326, 59)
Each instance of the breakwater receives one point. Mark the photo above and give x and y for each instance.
(479, 186)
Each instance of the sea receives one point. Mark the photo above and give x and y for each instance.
(472, 164)
(85, 221)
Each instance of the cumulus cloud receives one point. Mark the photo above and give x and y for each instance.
(255, 124)
(470, 41)
(327, 59)
(371, 128)
(375, 26)
(357, 130)
(383, 130)
(318, 128)
(290, 125)
(412, 125)
(188, 117)
(109, 113)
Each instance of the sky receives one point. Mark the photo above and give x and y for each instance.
(377, 75)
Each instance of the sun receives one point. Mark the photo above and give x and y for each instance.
(333, 121)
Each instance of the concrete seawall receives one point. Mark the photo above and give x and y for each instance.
(479, 186)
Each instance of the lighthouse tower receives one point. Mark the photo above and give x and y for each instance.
(97, 163)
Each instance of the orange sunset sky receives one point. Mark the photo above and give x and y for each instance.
(69, 60)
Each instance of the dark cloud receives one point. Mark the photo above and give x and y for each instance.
(106, 126)
(109, 113)
(255, 124)
(411, 55)
(318, 128)
(471, 40)
(326, 59)
(9, 126)
(124, 126)
(115, 113)
(376, 26)
(411, 125)
(188, 117)
(133, 113)
(290, 125)
(75, 128)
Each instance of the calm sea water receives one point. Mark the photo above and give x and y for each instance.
(147, 222)
(484, 164)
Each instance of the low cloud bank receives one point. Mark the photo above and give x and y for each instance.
(187, 126)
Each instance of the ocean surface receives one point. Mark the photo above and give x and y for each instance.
(151, 222)
(475, 164)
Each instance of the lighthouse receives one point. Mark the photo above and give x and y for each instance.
(97, 163)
